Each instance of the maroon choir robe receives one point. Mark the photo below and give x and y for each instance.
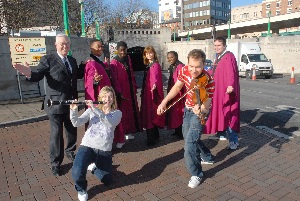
(128, 88)
(174, 116)
(150, 100)
(225, 109)
(91, 91)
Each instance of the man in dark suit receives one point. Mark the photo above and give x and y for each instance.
(60, 71)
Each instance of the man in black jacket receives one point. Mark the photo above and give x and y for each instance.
(60, 71)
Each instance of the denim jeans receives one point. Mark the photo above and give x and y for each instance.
(84, 157)
(194, 149)
(230, 134)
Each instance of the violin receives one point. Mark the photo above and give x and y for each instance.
(200, 94)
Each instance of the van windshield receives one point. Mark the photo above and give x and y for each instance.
(257, 58)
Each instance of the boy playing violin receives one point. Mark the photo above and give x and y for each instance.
(194, 78)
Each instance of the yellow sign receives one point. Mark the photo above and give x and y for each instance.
(37, 57)
(28, 50)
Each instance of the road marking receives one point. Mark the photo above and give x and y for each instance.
(291, 109)
(297, 133)
(278, 134)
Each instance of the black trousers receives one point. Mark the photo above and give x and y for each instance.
(152, 135)
(57, 122)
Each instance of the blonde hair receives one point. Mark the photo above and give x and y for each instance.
(149, 49)
(102, 93)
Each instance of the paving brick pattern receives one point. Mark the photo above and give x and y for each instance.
(263, 168)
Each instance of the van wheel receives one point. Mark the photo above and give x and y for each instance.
(268, 76)
(248, 74)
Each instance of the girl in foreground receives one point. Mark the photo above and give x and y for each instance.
(97, 141)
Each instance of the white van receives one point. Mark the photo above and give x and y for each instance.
(249, 56)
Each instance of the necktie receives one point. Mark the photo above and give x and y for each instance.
(68, 66)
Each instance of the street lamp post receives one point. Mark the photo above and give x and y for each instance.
(269, 23)
(98, 36)
(228, 33)
(188, 36)
(66, 19)
(82, 18)
(174, 37)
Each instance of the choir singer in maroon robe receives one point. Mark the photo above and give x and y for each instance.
(151, 96)
(121, 67)
(174, 116)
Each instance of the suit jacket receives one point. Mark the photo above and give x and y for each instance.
(60, 84)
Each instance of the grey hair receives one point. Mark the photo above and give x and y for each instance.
(62, 36)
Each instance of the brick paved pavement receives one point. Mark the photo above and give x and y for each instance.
(263, 168)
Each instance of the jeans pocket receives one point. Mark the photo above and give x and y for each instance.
(194, 133)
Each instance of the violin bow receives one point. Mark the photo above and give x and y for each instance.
(176, 101)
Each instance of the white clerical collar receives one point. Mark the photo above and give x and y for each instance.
(219, 56)
(98, 57)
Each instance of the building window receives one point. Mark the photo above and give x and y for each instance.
(290, 3)
(278, 4)
(255, 14)
(268, 6)
(277, 12)
(289, 10)
(213, 12)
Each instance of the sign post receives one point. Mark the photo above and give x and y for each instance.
(28, 50)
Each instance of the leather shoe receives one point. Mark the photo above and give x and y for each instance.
(56, 171)
(70, 156)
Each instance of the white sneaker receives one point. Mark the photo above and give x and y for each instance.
(119, 145)
(222, 137)
(194, 182)
(82, 196)
(91, 167)
(232, 146)
(129, 137)
(213, 137)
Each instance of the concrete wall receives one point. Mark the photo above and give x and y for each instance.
(145, 37)
(283, 52)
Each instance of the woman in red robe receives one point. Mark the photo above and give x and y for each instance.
(174, 116)
(121, 67)
(151, 96)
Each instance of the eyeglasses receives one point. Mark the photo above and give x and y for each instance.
(64, 44)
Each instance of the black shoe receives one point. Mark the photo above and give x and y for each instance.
(70, 156)
(150, 144)
(56, 171)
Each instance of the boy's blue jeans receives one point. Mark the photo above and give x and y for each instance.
(84, 157)
(194, 149)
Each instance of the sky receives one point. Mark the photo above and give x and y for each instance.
(234, 3)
